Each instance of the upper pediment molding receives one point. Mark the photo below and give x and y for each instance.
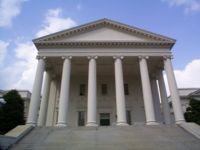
(100, 24)
(104, 44)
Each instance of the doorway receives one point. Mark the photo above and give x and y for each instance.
(104, 119)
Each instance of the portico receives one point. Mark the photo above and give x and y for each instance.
(103, 70)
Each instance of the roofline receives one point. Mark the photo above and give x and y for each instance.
(142, 30)
(190, 88)
(23, 90)
(191, 94)
(72, 28)
(107, 20)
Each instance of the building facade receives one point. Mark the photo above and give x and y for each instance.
(103, 73)
(185, 95)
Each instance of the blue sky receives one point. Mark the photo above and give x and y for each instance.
(23, 20)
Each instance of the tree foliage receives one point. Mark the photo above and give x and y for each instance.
(192, 113)
(11, 113)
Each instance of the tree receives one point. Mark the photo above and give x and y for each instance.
(192, 113)
(11, 113)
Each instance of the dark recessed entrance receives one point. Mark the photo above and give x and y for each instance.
(104, 119)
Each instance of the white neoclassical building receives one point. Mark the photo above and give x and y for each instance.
(103, 73)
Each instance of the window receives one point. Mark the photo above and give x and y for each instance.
(104, 89)
(81, 118)
(104, 119)
(126, 90)
(128, 116)
(82, 89)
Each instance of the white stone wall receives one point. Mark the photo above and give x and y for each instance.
(105, 103)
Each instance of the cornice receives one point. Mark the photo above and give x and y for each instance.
(103, 44)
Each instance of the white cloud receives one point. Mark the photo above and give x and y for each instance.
(189, 76)
(26, 53)
(3, 50)
(9, 9)
(54, 22)
(20, 74)
(189, 5)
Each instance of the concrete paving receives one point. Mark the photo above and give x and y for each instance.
(109, 138)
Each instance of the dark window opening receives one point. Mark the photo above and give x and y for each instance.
(126, 90)
(82, 89)
(104, 89)
(128, 116)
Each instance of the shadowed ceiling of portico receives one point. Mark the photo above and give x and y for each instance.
(105, 66)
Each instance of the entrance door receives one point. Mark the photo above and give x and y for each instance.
(81, 118)
(104, 119)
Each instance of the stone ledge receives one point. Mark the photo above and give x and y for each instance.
(19, 131)
(192, 128)
(14, 136)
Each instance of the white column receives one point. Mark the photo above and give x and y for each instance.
(164, 100)
(36, 93)
(64, 93)
(147, 94)
(120, 97)
(53, 94)
(173, 91)
(92, 93)
(156, 100)
(44, 101)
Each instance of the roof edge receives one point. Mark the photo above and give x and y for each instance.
(106, 21)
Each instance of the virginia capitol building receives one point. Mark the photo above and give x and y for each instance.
(103, 73)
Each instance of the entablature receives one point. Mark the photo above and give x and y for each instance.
(103, 44)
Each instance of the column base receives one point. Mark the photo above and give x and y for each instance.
(92, 124)
(61, 125)
(122, 124)
(180, 121)
(152, 123)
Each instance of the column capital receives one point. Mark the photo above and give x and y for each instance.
(118, 57)
(167, 57)
(92, 57)
(66, 57)
(143, 57)
(41, 57)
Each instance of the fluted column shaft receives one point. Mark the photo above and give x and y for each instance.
(36, 93)
(120, 97)
(44, 101)
(147, 94)
(156, 99)
(164, 100)
(64, 93)
(179, 118)
(92, 93)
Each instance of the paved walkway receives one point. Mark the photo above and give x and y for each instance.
(109, 138)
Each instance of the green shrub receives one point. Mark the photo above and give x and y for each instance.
(192, 113)
(11, 113)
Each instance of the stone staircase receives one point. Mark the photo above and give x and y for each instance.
(109, 138)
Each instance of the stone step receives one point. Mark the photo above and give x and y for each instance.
(111, 138)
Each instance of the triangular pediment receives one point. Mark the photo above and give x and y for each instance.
(103, 34)
(104, 30)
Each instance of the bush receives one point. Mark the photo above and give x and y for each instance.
(192, 113)
(11, 113)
